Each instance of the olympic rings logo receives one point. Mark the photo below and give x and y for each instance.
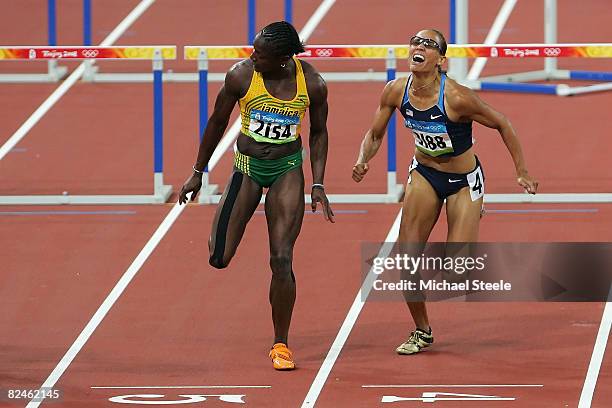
(552, 52)
(90, 53)
(324, 52)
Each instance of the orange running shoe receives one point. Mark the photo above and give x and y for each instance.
(282, 358)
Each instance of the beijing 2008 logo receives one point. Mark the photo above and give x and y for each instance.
(90, 53)
(324, 52)
(552, 52)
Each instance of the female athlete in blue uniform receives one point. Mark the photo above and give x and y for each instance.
(440, 113)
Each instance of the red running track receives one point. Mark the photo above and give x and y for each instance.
(182, 323)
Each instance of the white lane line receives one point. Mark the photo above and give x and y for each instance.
(452, 385)
(171, 387)
(109, 301)
(224, 144)
(71, 80)
(492, 37)
(127, 22)
(41, 111)
(441, 396)
(590, 381)
(349, 321)
(315, 19)
(306, 32)
(97, 318)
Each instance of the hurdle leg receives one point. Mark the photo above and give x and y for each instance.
(54, 71)
(458, 67)
(89, 75)
(289, 11)
(251, 6)
(550, 35)
(208, 190)
(161, 191)
(394, 190)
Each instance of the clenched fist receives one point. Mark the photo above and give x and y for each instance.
(359, 171)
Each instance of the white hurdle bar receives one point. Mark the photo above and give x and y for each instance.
(391, 53)
(161, 192)
(516, 82)
(203, 54)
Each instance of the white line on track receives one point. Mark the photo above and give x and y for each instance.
(453, 386)
(71, 80)
(349, 321)
(319, 381)
(155, 239)
(316, 17)
(586, 396)
(171, 387)
(110, 300)
(492, 37)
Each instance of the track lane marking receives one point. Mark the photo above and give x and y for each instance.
(599, 349)
(350, 320)
(71, 80)
(171, 387)
(450, 385)
(152, 243)
(110, 300)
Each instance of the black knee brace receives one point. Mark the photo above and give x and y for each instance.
(216, 258)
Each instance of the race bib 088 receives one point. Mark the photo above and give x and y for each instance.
(433, 144)
(273, 127)
(430, 137)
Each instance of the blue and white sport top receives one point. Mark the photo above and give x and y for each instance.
(434, 134)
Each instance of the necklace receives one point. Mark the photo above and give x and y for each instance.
(422, 86)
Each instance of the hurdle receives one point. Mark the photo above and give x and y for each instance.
(156, 54)
(391, 54)
(518, 82)
(602, 50)
(203, 54)
(54, 71)
(92, 72)
(252, 12)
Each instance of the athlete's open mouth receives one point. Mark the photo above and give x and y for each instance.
(418, 58)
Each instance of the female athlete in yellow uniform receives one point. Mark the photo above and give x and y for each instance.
(440, 113)
(274, 90)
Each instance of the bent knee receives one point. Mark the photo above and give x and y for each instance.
(281, 265)
(219, 262)
(417, 222)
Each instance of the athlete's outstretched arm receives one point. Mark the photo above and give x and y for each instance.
(468, 105)
(318, 139)
(374, 136)
(217, 123)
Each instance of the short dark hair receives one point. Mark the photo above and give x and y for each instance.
(283, 38)
(442, 44)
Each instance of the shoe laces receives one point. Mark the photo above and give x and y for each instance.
(414, 337)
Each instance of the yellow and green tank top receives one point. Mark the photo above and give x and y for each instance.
(269, 119)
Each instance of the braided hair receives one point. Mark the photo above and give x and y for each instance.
(283, 38)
